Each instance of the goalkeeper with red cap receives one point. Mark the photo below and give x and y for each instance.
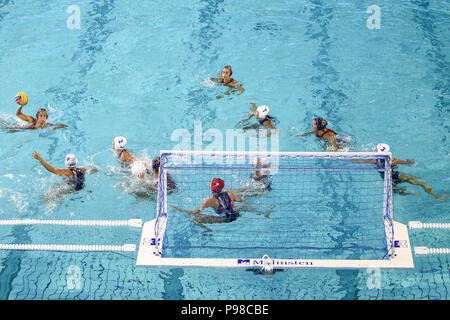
(221, 201)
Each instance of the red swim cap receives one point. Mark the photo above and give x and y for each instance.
(217, 185)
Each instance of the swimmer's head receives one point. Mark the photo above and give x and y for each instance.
(119, 143)
(227, 71)
(71, 160)
(320, 123)
(21, 98)
(156, 163)
(382, 147)
(262, 111)
(217, 185)
(41, 114)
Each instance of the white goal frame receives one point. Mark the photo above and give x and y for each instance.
(399, 248)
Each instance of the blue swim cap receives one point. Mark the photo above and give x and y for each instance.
(321, 123)
(156, 163)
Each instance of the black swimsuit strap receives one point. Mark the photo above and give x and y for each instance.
(224, 201)
(121, 151)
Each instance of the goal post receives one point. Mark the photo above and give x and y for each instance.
(314, 209)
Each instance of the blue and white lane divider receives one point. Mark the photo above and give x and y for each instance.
(429, 225)
(425, 250)
(71, 247)
(68, 247)
(105, 223)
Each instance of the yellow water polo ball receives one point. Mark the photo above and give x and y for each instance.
(21, 98)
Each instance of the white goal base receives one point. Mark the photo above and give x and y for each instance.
(402, 257)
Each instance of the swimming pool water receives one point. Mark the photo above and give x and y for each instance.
(135, 69)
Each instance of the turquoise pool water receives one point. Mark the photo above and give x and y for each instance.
(135, 69)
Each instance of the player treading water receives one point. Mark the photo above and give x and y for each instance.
(222, 202)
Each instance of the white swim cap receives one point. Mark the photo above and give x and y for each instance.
(119, 143)
(138, 168)
(71, 160)
(382, 147)
(263, 111)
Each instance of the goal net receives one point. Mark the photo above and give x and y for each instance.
(296, 205)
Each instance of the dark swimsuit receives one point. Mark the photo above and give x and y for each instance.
(225, 207)
(395, 174)
(266, 118)
(77, 179)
